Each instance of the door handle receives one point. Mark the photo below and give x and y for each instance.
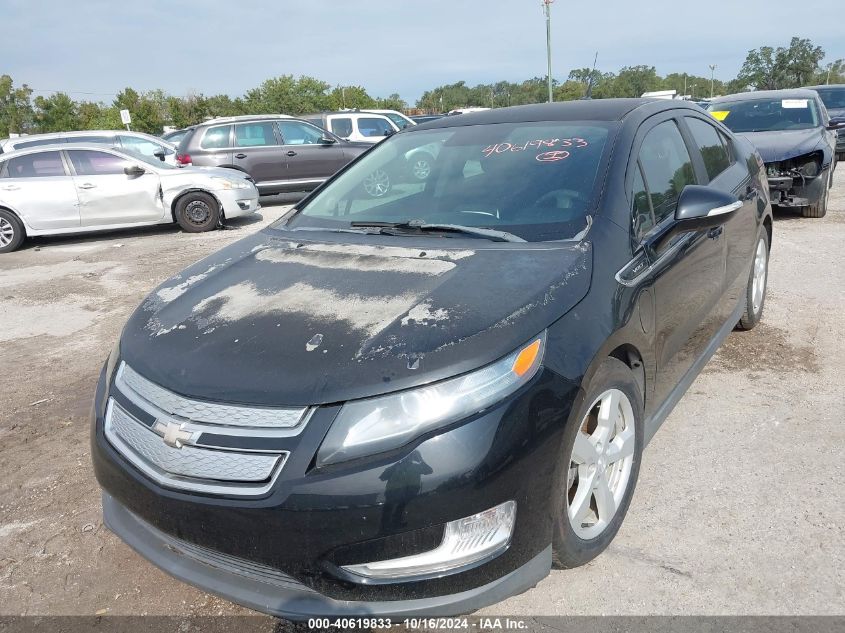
(10, 188)
(291, 153)
(240, 155)
(715, 232)
(87, 185)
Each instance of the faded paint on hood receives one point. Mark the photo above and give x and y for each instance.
(784, 144)
(280, 321)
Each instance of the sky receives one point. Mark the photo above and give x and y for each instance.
(92, 49)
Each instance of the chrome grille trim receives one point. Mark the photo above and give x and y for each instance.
(144, 392)
(190, 468)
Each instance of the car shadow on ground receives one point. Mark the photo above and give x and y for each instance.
(781, 214)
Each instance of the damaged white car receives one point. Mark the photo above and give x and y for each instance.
(60, 189)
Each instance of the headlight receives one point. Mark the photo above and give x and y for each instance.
(230, 183)
(366, 427)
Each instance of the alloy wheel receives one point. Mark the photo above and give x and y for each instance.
(7, 232)
(377, 183)
(758, 283)
(601, 463)
(421, 169)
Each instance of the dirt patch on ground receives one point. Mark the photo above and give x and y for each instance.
(765, 348)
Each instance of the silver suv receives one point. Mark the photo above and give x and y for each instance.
(137, 142)
(281, 153)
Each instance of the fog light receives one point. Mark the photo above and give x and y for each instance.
(466, 542)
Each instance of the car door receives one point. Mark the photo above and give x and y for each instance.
(108, 195)
(722, 171)
(311, 158)
(39, 187)
(258, 151)
(686, 274)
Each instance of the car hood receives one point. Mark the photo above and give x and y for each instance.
(276, 319)
(785, 144)
(836, 113)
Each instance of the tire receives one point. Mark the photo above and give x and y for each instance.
(599, 436)
(197, 212)
(819, 210)
(419, 166)
(12, 232)
(377, 184)
(755, 291)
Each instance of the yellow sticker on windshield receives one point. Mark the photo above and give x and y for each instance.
(720, 115)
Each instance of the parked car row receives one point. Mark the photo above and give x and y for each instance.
(419, 403)
(798, 140)
(138, 142)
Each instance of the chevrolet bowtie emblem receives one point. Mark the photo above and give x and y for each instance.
(173, 433)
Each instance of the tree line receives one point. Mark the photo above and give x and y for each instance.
(792, 66)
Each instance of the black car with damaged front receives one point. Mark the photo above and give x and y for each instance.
(795, 138)
(420, 403)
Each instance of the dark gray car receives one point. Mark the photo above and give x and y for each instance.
(833, 97)
(281, 153)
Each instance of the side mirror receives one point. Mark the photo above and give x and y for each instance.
(160, 154)
(700, 208)
(836, 124)
(134, 171)
(389, 132)
(325, 139)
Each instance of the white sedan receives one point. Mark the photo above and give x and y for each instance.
(60, 189)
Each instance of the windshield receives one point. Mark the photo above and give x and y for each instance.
(766, 115)
(833, 98)
(400, 121)
(534, 180)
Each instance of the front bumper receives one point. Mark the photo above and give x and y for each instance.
(313, 522)
(238, 202)
(269, 591)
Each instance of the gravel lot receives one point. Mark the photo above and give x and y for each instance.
(738, 509)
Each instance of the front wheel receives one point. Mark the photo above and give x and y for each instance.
(197, 212)
(819, 210)
(601, 461)
(377, 184)
(755, 292)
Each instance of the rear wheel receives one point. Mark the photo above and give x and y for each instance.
(197, 212)
(420, 166)
(755, 293)
(377, 184)
(12, 233)
(601, 462)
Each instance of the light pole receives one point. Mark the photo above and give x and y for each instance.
(547, 4)
(712, 73)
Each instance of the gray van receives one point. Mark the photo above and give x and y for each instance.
(281, 153)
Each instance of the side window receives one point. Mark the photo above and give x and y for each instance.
(36, 165)
(342, 127)
(666, 167)
(713, 147)
(255, 134)
(140, 145)
(216, 137)
(374, 126)
(91, 163)
(643, 215)
(298, 133)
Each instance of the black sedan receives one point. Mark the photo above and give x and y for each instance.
(796, 139)
(421, 403)
(833, 97)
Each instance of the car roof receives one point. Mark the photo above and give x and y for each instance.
(822, 87)
(791, 93)
(592, 110)
(242, 117)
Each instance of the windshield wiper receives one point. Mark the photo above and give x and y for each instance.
(419, 225)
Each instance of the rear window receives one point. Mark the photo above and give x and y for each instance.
(535, 180)
(37, 165)
(216, 137)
